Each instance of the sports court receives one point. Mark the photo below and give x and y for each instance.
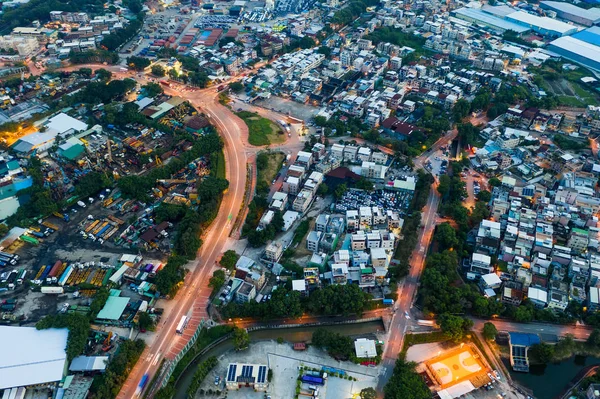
(456, 366)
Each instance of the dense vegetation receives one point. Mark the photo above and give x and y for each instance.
(190, 222)
(101, 92)
(39, 10)
(115, 40)
(395, 36)
(337, 345)
(229, 259)
(37, 200)
(94, 56)
(352, 11)
(566, 143)
(405, 383)
(194, 75)
(108, 385)
(201, 372)
(330, 300)
(256, 209)
(91, 184)
(412, 223)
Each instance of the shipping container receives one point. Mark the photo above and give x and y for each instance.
(65, 275)
(30, 240)
(55, 269)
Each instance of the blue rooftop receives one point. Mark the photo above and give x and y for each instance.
(591, 35)
(523, 339)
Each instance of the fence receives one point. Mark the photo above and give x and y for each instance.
(167, 368)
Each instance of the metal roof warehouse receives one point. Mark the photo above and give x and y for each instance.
(32, 356)
(114, 308)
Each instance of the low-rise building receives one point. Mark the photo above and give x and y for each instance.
(247, 375)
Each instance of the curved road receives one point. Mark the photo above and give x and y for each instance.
(193, 297)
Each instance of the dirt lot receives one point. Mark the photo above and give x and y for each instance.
(292, 108)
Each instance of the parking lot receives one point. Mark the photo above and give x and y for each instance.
(386, 199)
(284, 362)
(214, 21)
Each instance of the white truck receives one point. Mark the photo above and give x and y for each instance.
(53, 290)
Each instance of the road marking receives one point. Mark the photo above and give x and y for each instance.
(155, 361)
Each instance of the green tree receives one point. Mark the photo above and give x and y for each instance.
(405, 383)
(489, 331)
(91, 183)
(326, 51)
(479, 213)
(340, 190)
(152, 89)
(454, 327)
(145, 321)
(523, 314)
(173, 74)
(494, 182)
(138, 63)
(3, 230)
(484, 196)
(444, 186)
(135, 6)
(368, 393)
(103, 75)
(445, 236)
(593, 340)
(323, 190)
(229, 259)
(217, 280)
(236, 87)
(241, 339)
(364, 184)
(158, 70)
(542, 352)
(461, 109)
(85, 72)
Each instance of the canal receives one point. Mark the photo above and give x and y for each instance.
(296, 334)
(550, 381)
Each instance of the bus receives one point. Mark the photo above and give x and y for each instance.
(141, 385)
(182, 324)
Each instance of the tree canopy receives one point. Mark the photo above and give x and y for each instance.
(406, 383)
(489, 331)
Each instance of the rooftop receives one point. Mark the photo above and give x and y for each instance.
(113, 309)
(31, 356)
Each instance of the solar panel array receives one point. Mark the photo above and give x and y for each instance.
(246, 375)
(231, 372)
(262, 373)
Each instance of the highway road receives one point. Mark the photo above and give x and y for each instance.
(192, 299)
